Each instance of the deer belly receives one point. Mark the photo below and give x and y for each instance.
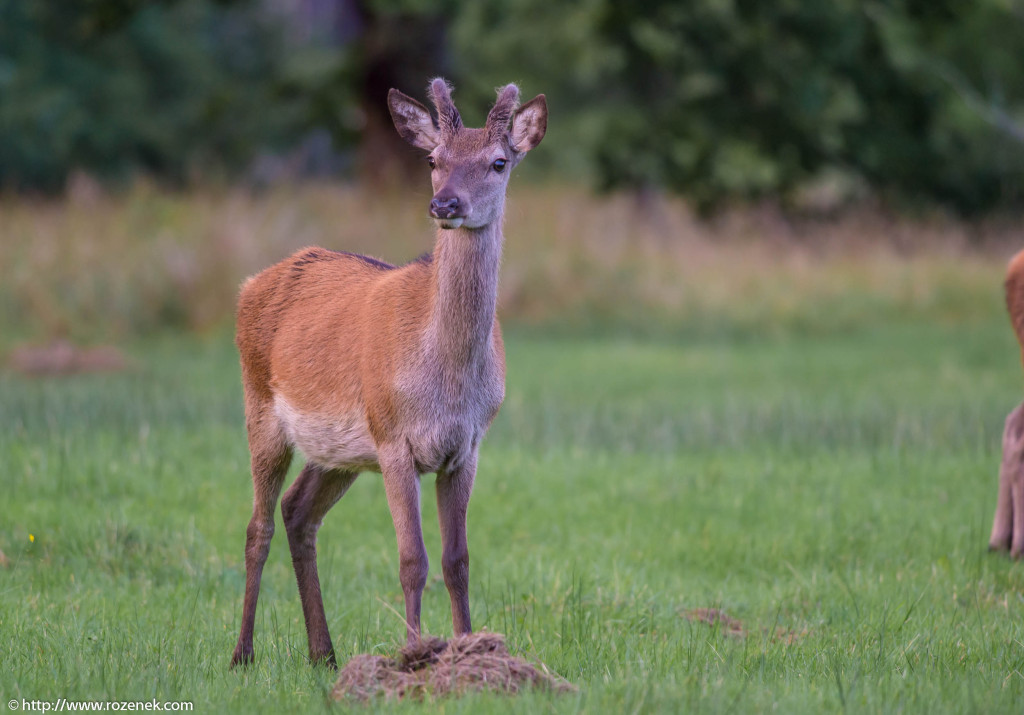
(339, 441)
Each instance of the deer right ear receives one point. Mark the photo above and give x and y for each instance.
(413, 121)
(529, 124)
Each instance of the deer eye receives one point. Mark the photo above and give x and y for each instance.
(430, 162)
(498, 165)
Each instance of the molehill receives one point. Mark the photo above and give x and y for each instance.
(469, 663)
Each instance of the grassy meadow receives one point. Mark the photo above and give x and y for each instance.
(798, 425)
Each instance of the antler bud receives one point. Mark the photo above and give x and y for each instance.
(500, 116)
(447, 115)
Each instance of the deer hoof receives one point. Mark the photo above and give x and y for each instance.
(242, 658)
(325, 659)
(999, 543)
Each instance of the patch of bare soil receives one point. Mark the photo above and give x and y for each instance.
(734, 627)
(474, 662)
(62, 357)
(711, 616)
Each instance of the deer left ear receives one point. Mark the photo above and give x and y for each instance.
(529, 124)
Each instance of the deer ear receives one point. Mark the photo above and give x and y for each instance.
(413, 121)
(529, 124)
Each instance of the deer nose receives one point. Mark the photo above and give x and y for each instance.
(444, 208)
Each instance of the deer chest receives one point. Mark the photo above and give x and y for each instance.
(447, 420)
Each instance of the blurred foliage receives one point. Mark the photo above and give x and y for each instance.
(919, 102)
(116, 87)
(719, 99)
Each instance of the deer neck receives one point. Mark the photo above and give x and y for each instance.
(466, 263)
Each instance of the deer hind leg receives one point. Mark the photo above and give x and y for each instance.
(402, 485)
(303, 507)
(1008, 524)
(453, 491)
(271, 456)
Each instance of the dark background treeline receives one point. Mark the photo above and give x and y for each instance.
(916, 102)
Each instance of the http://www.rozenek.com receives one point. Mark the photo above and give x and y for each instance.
(65, 705)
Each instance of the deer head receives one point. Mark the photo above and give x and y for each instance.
(469, 168)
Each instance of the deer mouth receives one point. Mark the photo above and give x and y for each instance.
(450, 222)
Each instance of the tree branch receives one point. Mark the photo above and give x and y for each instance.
(992, 113)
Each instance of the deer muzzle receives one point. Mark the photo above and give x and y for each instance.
(448, 211)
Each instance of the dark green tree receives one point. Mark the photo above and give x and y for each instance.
(117, 87)
(740, 99)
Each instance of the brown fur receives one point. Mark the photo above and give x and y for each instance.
(1015, 297)
(363, 366)
(1008, 523)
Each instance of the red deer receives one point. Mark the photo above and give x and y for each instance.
(1008, 524)
(363, 366)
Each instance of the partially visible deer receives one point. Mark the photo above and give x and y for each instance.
(1008, 524)
(367, 367)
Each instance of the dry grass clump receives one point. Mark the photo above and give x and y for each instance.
(62, 357)
(473, 662)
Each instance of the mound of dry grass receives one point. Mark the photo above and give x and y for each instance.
(474, 662)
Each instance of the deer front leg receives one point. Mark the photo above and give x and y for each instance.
(453, 490)
(402, 485)
(303, 507)
(1008, 524)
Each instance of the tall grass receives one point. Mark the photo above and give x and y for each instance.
(833, 493)
(99, 267)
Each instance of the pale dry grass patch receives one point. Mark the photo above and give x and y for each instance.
(572, 254)
(95, 265)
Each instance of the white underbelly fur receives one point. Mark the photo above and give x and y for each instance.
(336, 441)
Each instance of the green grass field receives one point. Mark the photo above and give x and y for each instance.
(831, 490)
